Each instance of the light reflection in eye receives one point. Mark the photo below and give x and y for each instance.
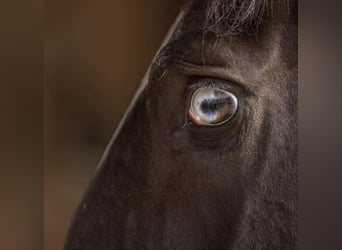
(212, 106)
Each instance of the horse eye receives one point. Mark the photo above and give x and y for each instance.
(212, 106)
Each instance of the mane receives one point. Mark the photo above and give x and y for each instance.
(224, 17)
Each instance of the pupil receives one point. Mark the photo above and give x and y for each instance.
(209, 106)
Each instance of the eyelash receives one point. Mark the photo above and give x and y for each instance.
(196, 82)
(204, 82)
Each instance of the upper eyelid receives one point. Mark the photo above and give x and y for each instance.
(214, 72)
(212, 82)
(202, 82)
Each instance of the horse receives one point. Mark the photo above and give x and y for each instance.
(205, 157)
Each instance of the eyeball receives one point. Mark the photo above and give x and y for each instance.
(211, 106)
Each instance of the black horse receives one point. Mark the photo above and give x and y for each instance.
(206, 155)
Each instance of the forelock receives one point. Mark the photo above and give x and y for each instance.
(225, 17)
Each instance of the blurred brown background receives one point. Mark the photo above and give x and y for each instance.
(96, 53)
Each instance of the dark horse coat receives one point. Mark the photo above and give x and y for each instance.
(167, 182)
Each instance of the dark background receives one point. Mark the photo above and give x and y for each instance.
(95, 55)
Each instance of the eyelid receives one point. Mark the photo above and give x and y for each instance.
(202, 82)
(197, 82)
(213, 72)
